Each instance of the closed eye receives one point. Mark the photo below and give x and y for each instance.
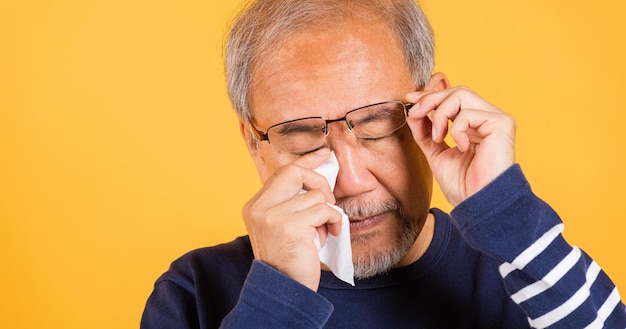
(311, 151)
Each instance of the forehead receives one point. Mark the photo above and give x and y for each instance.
(327, 72)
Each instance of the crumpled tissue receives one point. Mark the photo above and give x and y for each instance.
(337, 250)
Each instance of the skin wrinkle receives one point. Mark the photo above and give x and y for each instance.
(349, 48)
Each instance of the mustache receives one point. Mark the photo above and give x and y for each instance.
(361, 208)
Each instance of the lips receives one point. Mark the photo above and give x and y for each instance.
(366, 223)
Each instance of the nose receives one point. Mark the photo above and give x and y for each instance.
(355, 176)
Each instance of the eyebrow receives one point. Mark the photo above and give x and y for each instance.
(297, 126)
(383, 112)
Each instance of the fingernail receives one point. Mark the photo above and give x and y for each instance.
(415, 106)
(434, 133)
(413, 96)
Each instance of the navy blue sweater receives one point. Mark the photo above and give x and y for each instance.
(499, 261)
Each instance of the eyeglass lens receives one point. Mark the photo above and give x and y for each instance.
(369, 122)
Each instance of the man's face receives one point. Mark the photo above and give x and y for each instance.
(327, 72)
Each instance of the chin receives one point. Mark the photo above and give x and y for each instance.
(374, 254)
(381, 235)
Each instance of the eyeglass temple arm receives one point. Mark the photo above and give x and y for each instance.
(261, 136)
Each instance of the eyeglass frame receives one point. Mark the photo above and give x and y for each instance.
(264, 136)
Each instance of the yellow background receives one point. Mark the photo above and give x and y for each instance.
(119, 150)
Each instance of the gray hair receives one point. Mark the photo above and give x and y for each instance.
(263, 25)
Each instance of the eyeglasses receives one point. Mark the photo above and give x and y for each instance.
(304, 135)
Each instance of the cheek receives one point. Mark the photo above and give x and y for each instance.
(405, 173)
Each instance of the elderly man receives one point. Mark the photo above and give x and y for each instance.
(355, 77)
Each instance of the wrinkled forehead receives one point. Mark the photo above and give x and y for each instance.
(328, 71)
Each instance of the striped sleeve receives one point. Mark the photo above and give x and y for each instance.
(556, 284)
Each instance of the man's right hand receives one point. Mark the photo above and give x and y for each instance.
(282, 222)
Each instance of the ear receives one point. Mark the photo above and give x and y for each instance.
(438, 81)
(254, 149)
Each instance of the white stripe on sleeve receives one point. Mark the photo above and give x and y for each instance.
(605, 310)
(549, 279)
(571, 304)
(531, 252)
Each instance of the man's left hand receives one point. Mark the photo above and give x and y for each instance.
(484, 137)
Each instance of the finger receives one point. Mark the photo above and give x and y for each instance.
(303, 204)
(303, 201)
(292, 178)
(430, 100)
(426, 122)
(326, 215)
(446, 110)
(318, 217)
(473, 126)
(419, 121)
(314, 159)
(463, 97)
(311, 161)
(421, 125)
(444, 105)
(415, 96)
(333, 226)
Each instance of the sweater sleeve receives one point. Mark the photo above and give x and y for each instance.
(270, 299)
(556, 284)
(189, 296)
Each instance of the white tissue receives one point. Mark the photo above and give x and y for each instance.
(337, 251)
